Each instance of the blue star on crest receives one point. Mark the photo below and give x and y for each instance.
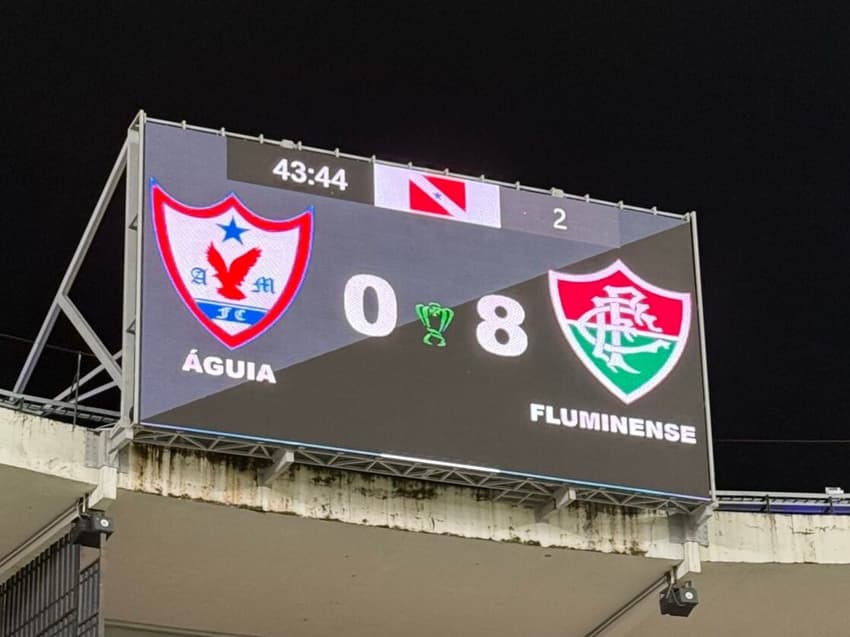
(232, 231)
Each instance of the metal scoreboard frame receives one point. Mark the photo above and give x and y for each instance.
(516, 487)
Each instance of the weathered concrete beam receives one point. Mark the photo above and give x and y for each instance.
(397, 503)
(45, 446)
(59, 450)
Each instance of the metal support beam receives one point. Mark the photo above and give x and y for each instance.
(84, 329)
(70, 389)
(521, 491)
(623, 620)
(50, 408)
(690, 560)
(97, 390)
(691, 527)
(282, 460)
(73, 269)
(643, 596)
(37, 405)
(561, 499)
(692, 218)
(122, 434)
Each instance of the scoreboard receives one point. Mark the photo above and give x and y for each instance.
(331, 302)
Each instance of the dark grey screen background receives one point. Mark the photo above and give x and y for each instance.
(338, 388)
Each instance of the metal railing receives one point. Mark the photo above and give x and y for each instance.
(784, 502)
(52, 596)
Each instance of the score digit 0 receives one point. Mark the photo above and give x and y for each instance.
(499, 315)
(354, 302)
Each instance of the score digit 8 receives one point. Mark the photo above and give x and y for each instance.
(509, 324)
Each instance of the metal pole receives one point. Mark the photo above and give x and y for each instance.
(73, 269)
(101, 624)
(695, 238)
(122, 434)
(77, 386)
(133, 225)
(634, 601)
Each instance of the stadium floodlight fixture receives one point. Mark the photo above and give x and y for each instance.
(92, 529)
(678, 599)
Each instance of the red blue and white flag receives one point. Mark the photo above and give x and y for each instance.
(437, 195)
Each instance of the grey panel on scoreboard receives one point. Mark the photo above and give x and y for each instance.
(560, 217)
(635, 225)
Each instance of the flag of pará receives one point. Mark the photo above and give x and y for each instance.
(437, 195)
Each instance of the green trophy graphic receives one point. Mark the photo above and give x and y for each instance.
(436, 320)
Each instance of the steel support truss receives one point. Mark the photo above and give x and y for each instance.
(119, 366)
(62, 301)
(517, 490)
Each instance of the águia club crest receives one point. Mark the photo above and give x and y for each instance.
(626, 331)
(237, 272)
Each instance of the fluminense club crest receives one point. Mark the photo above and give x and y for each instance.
(626, 331)
(237, 272)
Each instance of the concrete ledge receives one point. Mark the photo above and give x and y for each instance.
(57, 451)
(44, 446)
(394, 503)
(464, 512)
(43, 478)
(779, 538)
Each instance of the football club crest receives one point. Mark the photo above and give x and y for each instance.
(237, 272)
(626, 331)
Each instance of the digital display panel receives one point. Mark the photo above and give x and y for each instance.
(332, 302)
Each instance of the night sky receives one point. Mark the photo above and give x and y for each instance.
(740, 111)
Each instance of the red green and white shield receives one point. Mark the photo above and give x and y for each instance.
(626, 331)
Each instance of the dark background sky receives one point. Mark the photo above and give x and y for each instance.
(740, 111)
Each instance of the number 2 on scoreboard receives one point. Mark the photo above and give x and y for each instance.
(560, 222)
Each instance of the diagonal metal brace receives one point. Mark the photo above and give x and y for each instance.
(281, 461)
(95, 344)
(692, 527)
(94, 372)
(561, 499)
(72, 271)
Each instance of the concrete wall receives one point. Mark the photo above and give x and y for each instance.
(770, 537)
(44, 446)
(432, 508)
(59, 450)
(400, 504)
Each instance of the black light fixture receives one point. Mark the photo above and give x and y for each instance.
(90, 527)
(679, 599)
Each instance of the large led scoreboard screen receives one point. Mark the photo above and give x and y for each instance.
(338, 303)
